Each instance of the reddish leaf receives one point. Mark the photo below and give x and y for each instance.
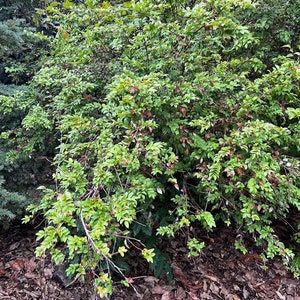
(183, 111)
(17, 264)
(134, 89)
(30, 265)
(30, 275)
(2, 272)
(130, 280)
(88, 97)
(147, 113)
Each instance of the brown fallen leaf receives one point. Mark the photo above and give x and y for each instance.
(251, 256)
(236, 287)
(193, 296)
(17, 264)
(8, 298)
(180, 276)
(30, 265)
(214, 288)
(14, 246)
(160, 290)
(225, 292)
(205, 286)
(246, 294)
(167, 296)
(251, 277)
(30, 275)
(180, 293)
(33, 295)
(150, 281)
(280, 296)
(211, 277)
(48, 273)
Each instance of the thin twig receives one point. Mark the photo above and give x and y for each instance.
(108, 260)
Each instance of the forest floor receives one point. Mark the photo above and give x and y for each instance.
(221, 272)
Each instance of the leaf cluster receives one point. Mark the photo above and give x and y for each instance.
(160, 113)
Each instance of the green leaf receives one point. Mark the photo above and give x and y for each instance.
(67, 4)
(207, 219)
(148, 254)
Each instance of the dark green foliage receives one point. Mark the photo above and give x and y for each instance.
(18, 60)
(12, 204)
(18, 47)
(276, 24)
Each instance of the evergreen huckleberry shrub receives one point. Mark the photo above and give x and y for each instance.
(160, 115)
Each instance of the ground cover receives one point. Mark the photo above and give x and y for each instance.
(221, 272)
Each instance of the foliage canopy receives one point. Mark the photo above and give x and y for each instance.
(160, 115)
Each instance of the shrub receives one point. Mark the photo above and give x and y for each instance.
(275, 24)
(19, 51)
(161, 104)
(12, 204)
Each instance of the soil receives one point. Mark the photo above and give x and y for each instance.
(221, 272)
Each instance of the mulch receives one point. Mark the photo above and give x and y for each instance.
(221, 272)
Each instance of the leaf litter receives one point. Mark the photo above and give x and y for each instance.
(220, 272)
